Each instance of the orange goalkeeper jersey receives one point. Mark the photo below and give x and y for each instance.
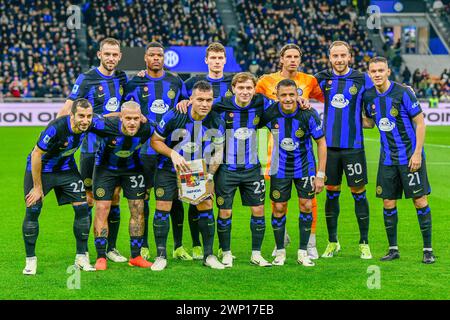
(308, 87)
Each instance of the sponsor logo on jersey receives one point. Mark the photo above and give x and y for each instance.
(159, 107)
(190, 147)
(288, 144)
(386, 125)
(112, 104)
(339, 101)
(243, 133)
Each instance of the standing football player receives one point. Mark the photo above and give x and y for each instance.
(343, 88)
(292, 129)
(308, 88)
(395, 110)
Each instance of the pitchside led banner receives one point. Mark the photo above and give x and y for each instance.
(39, 114)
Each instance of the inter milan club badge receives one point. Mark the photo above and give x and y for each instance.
(256, 121)
(394, 112)
(171, 94)
(299, 133)
(228, 94)
(353, 90)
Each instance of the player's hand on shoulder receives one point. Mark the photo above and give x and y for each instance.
(141, 74)
(304, 103)
(34, 196)
(143, 119)
(183, 105)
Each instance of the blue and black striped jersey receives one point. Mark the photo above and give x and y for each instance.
(103, 92)
(191, 139)
(156, 97)
(60, 143)
(120, 152)
(241, 147)
(221, 87)
(343, 107)
(292, 154)
(392, 112)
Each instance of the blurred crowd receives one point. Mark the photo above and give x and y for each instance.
(265, 26)
(38, 53)
(137, 22)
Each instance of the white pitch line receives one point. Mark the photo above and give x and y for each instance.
(426, 144)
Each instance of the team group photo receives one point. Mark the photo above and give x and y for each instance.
(222, 150)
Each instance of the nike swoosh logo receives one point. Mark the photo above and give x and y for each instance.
(308, 229)
(83, 197)
(211, 224)
(29, 235)
(101, 95)
(364, 218)
(359, 180)
(195, 220)
(261, 199)
(310, 193)
(230, 121)
(327, 89)
(258, 229)
(140, 194)
(84, 234)
(415, 191)
(145, 96)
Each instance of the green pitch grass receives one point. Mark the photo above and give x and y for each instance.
(343, 277)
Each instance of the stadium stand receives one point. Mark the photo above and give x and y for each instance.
(137, 22)
(38, 55)
(266, 25)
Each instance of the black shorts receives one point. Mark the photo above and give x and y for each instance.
(87, 164)
(68, 185)
(280, 188)
(166, 187)
(350, 161)
(250, 183)
(149, 164)
(392, 181)
(131, 181)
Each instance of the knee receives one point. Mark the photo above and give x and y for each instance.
(279, 209)
(420, 202)
(258, 211)
(305, 205)
(389, 204)
(360, 189)
(333, 188)
(224, 214)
